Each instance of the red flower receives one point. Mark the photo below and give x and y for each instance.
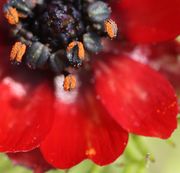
(114, 97)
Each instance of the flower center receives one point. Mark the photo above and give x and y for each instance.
(58, 23)
(58, 34)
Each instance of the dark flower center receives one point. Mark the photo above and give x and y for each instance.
(58, 23)
(58, 34)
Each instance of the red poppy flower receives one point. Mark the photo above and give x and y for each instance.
(115, 95)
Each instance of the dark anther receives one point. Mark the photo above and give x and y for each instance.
(98, 11)
(22, 34)
(37, 55)
(92, 42)
(57, 62)
(23, 6)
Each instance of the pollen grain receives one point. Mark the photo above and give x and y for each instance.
(69, 82)
(17, 52)
(12, 16)
(90, 152)
(81, 51)
(111, 28)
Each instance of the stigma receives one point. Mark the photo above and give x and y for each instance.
(58, 35)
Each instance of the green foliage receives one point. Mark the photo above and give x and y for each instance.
(6, 166)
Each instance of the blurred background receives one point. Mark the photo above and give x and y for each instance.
(143, 155)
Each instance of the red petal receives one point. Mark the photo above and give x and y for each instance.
(32, 159)
(82, 129)
(26, 101)
(138, 98)
(165, 58)
(148, 20)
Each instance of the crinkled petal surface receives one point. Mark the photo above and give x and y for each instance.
(147, 20)
(32, 159)
(26, 100)
(82, 129)
(137, 97)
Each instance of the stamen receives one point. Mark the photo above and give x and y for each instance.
(81, 51)
(58, 35)
(12, 16)
(69, 82)
(57, 62)
(21, 15)
(92, 42)
(98, 11)
(111, 28)
(17, 52)
(37, 55)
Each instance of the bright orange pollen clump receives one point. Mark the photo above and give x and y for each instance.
(12, 16)
(81, 51)
(111, 28)
(90, 152)
(69, 82)
(17, 52)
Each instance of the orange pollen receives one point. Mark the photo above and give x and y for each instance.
(81, 51)
(17, 52)
(12, 16)
(90, 152)
(69, 82)
(111, 28)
